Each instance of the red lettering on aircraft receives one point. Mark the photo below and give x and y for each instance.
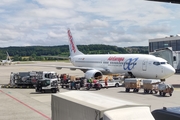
(71, 41)
(114, 58)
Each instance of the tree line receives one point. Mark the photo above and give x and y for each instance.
(37, 53)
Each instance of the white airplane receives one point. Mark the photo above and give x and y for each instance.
(134, 65)
(7, 61)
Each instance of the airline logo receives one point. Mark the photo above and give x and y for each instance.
(71, 42)
(130, 63)
(114, 58)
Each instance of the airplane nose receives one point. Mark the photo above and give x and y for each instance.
(169, 71)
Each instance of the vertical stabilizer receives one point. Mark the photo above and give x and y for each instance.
(72, 46)
(8, 58)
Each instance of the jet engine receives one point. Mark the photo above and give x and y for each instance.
(93, 74)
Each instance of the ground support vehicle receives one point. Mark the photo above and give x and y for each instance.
(111, 83)
(171, 113)
(73, 82)
(65, 84)
(48, 85)
(28, 79)
(96, 86)
(85, 105)
(150, 85)
(75, 85)
(165, 88)
(132, 83)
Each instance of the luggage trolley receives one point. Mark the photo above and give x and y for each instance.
(151, 85)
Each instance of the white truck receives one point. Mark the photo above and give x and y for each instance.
(111, 83)
(47, 85)
(85, 105)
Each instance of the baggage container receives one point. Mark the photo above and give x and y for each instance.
(150, 85)
(84, 105)
(132, 83)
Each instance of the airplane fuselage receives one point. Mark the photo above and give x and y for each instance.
(142, 66)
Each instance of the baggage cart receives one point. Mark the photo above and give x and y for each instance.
(150, 85)
(132, 83)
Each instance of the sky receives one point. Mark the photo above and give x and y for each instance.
(120, 23)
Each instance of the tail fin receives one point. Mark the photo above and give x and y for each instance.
(8, 58)
(72, 46)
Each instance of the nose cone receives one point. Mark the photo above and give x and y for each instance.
(169, 71)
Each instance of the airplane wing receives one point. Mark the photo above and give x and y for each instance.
(61, 57)
(84, 69)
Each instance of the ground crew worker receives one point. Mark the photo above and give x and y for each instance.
(90, 81)
(105, 81)
(65, 78)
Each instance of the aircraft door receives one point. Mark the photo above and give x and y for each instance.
(144, 65)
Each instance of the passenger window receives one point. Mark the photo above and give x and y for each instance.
(156, 63)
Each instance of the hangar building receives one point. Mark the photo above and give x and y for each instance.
(167, 48)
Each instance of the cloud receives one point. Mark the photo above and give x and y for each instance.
(153, 29)
(112, 22)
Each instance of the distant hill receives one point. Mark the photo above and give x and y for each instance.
(36, 52)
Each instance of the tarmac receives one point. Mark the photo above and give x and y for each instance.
(21, 104)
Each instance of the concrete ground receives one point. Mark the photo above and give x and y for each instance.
(21, 104)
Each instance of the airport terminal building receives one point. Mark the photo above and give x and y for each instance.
(167, 48)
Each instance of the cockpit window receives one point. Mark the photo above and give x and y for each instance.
(156, 63)
(163, 62)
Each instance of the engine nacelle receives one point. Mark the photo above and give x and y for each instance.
(93, 74)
